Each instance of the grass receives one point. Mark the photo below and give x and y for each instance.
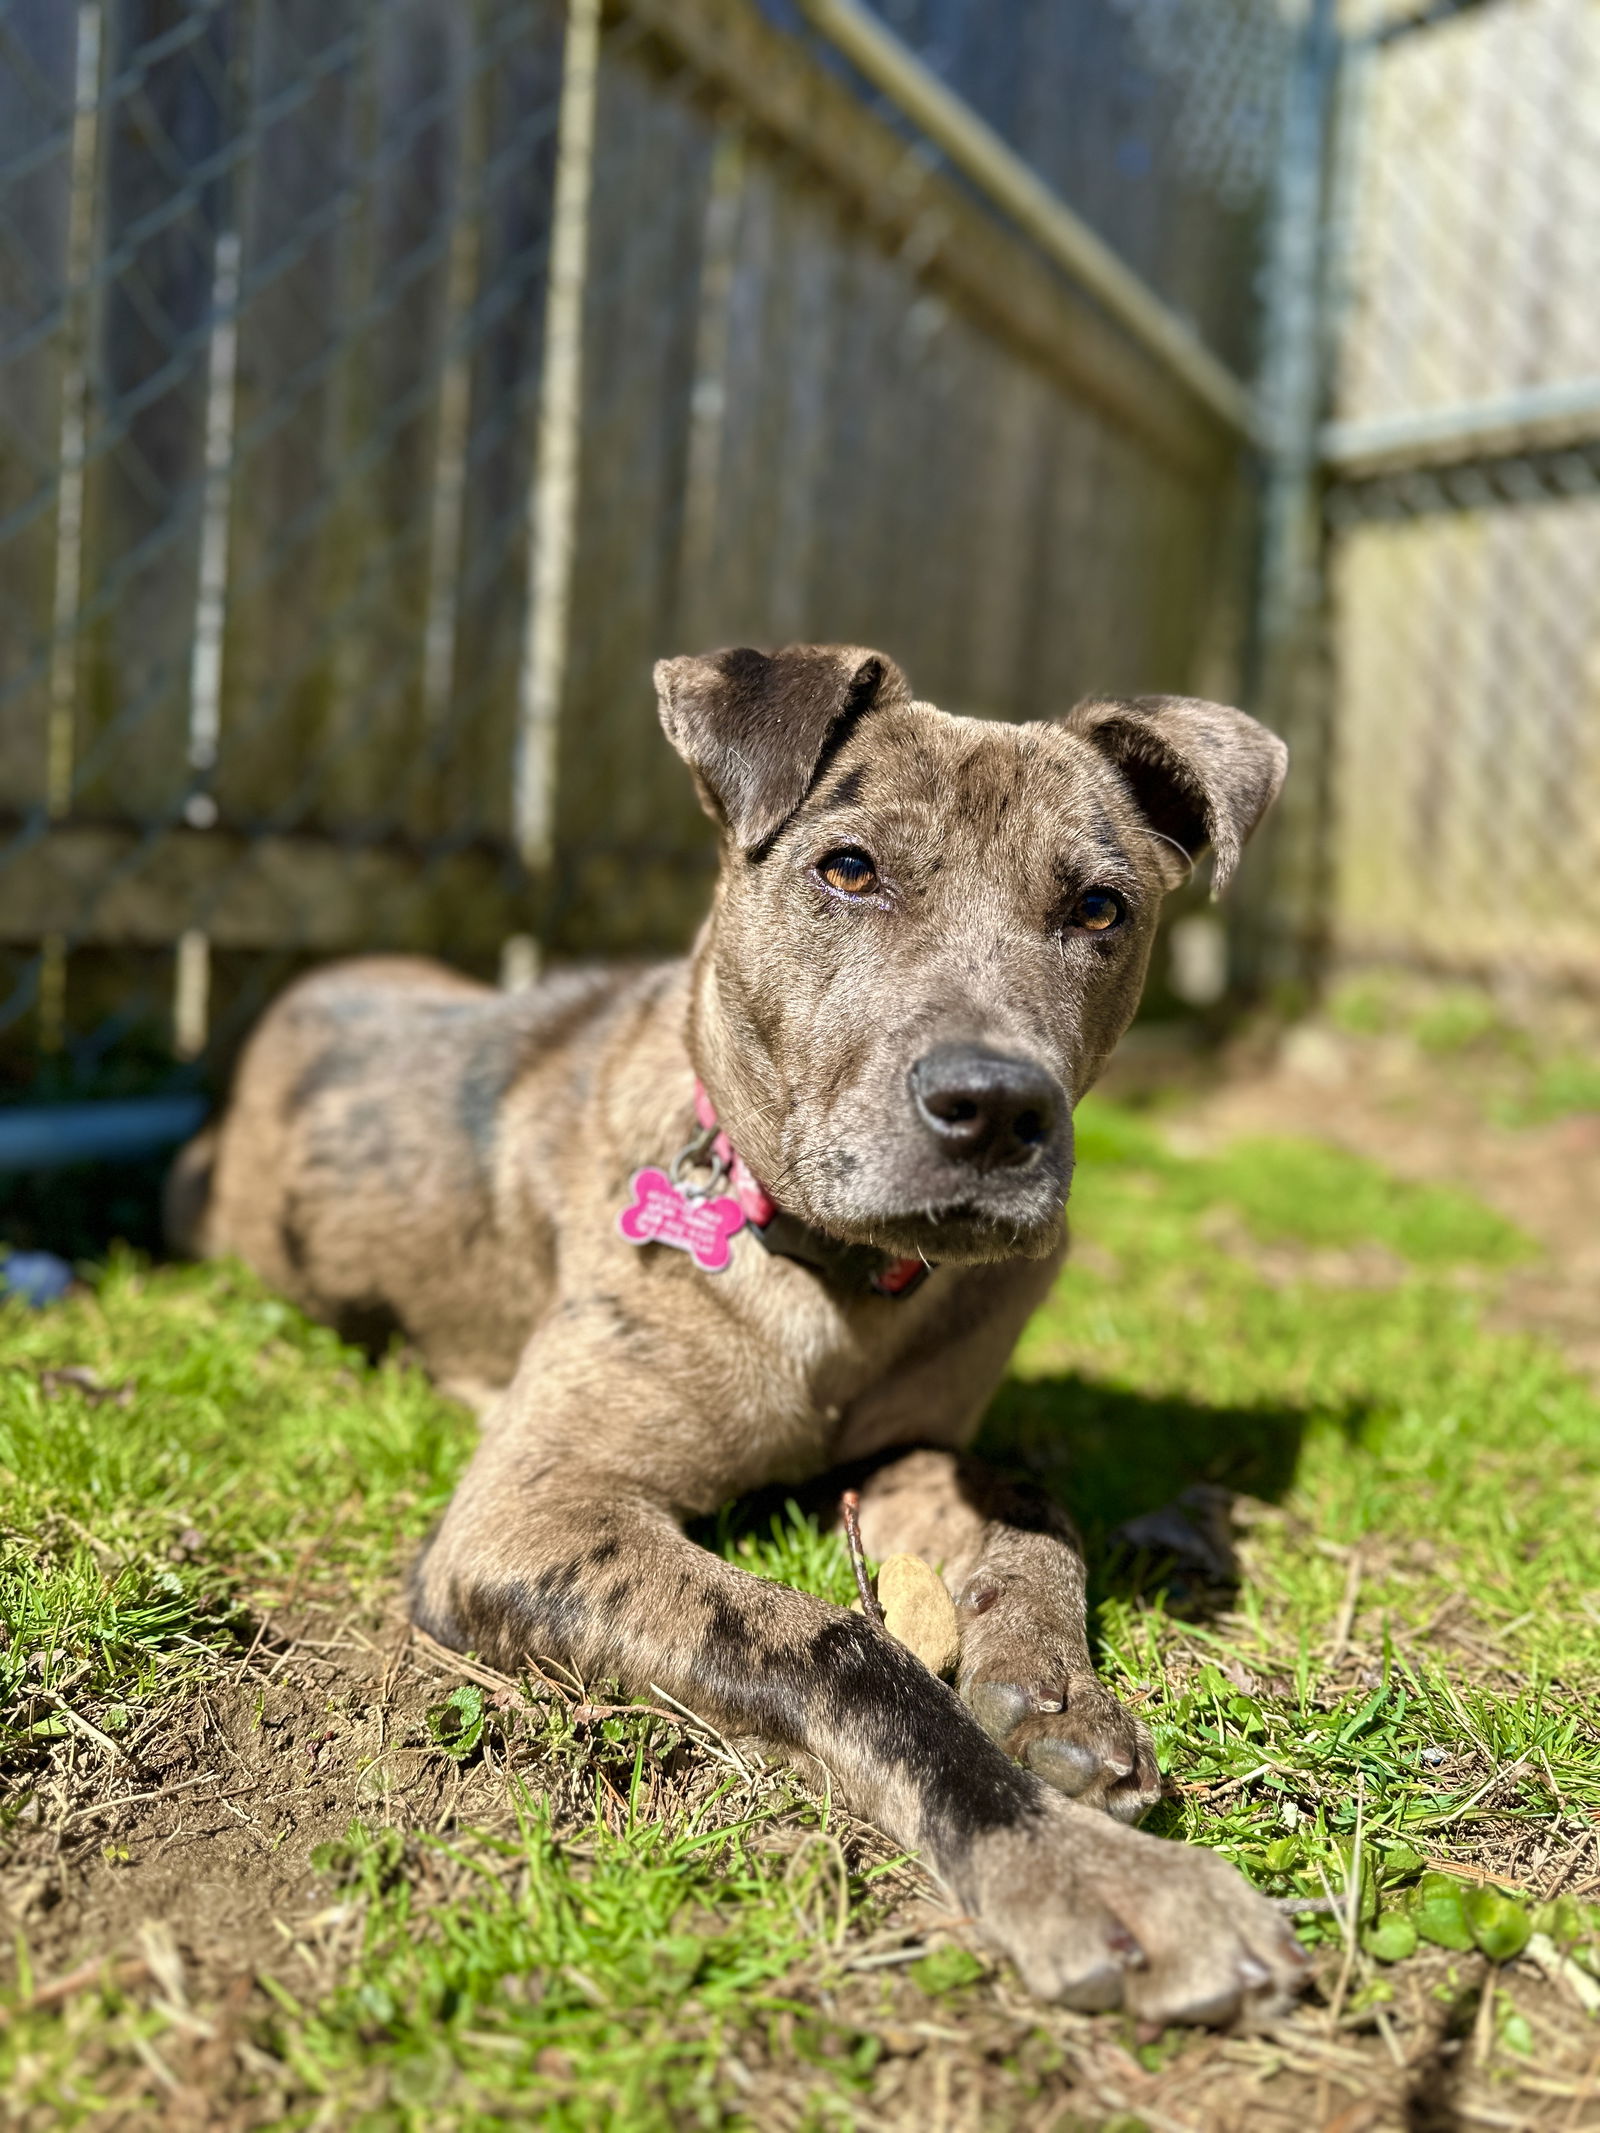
(656, 1960)
(629, 1930)
(218, 1440)
(1526, 1074)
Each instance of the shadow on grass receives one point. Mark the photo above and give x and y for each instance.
(1109, 1454)
(1166, 1466)
(1112, 1457)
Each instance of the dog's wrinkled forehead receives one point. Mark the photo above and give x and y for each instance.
(975, 799)
(765, 733)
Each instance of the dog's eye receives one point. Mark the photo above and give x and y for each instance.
(850, 872)
(1096, 911)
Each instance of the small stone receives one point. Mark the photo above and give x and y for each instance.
(918, 1611)
(36, 1278)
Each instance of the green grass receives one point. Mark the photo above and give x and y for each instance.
(1429, 1484)
(658, 1950)
(1519, 1076)
(133, 1537)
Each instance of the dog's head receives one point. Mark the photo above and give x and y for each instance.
(930, 931)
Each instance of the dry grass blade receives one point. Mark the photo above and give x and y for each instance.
(1346, 1616)
(850, 1511)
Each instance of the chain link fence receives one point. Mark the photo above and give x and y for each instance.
(271, 280)
(1463, 493)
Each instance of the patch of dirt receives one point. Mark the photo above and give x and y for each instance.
(1389, 1102)
(184, 1874)
(209, 1825)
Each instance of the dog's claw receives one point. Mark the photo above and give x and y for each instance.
(1081, 1742)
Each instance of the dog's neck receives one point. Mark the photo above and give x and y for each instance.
(843, 1266)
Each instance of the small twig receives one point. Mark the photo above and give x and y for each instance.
(1483, 2027)
(133, 1799)
(850, 1507)
(255, 1646)
(1568, 1862)
(890, 1957)
(722, 1741)
(82, 1725)
(1464, 1870)
(487, 1677)
(1206, 1793)
(1327, 1906)
(122, 1973)
(1441, 1821)
(1347, 1608)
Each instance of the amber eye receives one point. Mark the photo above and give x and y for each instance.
(850, 872)
(1096, 911)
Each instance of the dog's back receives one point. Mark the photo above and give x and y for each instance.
(356, 1166)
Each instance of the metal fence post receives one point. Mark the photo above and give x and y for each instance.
(554, 502)
(1280, 921)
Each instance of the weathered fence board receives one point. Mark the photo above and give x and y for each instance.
(162, 198)
(266, 890)
(38, 50)
(298, 198)
(518, 68)
(629, 835)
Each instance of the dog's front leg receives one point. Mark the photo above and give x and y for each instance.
(580, 1559)
(1010, 1558)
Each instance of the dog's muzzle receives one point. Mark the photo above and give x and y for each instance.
(985, 1109)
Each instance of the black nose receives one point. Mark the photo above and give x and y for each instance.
(983, 1107)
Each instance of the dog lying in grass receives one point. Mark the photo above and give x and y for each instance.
(782, 1207)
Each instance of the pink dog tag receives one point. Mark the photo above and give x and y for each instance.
(660, 1214)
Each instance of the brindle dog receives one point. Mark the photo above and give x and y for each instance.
(927, 934)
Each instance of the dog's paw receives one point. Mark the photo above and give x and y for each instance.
(1101, 1917)
(1076, 1735)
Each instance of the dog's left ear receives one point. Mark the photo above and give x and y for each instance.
(1200, 773)
(756, 730)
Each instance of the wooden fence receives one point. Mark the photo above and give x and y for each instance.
(384, 384)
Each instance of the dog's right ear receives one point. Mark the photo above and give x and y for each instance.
(756, 730)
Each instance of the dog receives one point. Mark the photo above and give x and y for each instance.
(780, 1208)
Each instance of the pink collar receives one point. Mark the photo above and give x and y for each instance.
(758, 1204)
(782, 1233)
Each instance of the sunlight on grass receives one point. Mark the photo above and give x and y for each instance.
(655, 1950)
(246, 1445)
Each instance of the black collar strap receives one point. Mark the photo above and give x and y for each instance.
(843, 1266)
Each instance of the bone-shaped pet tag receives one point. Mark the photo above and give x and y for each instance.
(660, 1214)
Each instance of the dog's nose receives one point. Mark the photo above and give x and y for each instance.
(983, 1107)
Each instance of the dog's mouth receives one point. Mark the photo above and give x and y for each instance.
(893, 1192)
(972, 1229)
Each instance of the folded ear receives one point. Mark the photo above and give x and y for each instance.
(1200, 773)
(756, 730)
